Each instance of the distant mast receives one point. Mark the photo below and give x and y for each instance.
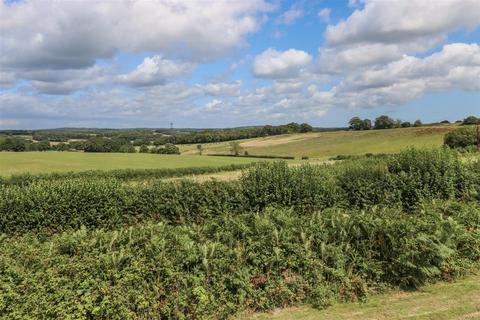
(171, 127)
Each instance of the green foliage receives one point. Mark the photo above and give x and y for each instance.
(358, 124)
(384, 122)
(13, 144)
(470, 120)
(406, 180)
(166, 149)
(229, 263)
(418, 123)
(461, 138)
(144, 149)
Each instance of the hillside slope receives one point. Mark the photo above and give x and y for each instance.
(328, 144)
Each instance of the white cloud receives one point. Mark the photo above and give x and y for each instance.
(290, 16)
(276, 64)
(399, 21)
(154, 71)
(223, 89)
(338, 61)
(39, 34)
(455, 66)
(324, 14)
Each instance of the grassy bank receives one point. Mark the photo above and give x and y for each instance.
(328, 144)
(440, 301)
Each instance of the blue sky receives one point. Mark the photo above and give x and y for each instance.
(234, 63)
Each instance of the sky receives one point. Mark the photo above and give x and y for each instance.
(200, 64)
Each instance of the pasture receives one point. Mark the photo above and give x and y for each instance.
(323, 145)
(46, 162)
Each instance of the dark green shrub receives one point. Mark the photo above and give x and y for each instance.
(368, 183)
(461, 138)
(427, 174)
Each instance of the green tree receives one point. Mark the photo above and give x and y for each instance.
(43, 145)
(127, 148)
(144, 149)
(367, 124)
(384, 122)
(199, 149)
(417, 123)
(13, 144)
(235, 148)
(355, 123)
(470, 120)
(305, 127)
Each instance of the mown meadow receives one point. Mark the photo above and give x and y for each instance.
(96, 247)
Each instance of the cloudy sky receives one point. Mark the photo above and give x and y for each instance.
(198, 63)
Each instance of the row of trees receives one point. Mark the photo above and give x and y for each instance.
(382, 122)
(94, 144)
(139, 137)
(18, 145)
(385, 122)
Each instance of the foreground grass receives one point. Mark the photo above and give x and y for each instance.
(441, 301)
(327, 144)
(44, 162)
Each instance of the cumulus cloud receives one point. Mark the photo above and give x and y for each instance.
(73, 34)
(154, 71)
(222, 88)
(386, 53)
(399, 21)
(277, 64)
(456, 66)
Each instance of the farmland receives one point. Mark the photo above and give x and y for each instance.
(45, 162)
(329, 144)
(321, 145)
(278, 236)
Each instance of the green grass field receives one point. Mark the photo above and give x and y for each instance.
(442, 301)
(43, 162)
(316, 145)
(327, 144)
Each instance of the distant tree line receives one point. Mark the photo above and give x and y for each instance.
(93, 144)
(158, 137)
(385, 122)
(382, 122)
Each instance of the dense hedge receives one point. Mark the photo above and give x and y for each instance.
(465, 137)
(403, 180)
(119, 174)
(254, 261)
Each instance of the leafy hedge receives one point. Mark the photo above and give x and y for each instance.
(254, 261)
(403, 180)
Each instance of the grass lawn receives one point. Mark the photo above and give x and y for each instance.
(40, 162)
(327, 144)
(442, 301)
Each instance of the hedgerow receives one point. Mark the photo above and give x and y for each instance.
(232, 262)
(404, 180)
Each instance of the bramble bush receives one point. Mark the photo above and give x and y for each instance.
(233, 262)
